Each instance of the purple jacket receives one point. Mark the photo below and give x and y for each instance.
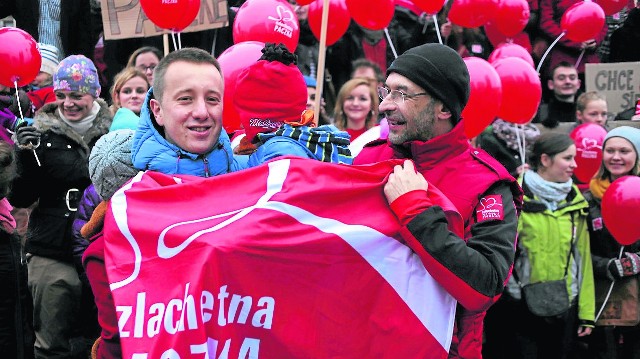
(90, 200)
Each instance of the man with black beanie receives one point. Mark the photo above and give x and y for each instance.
(424, 93)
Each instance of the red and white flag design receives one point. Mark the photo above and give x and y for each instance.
(292, 259)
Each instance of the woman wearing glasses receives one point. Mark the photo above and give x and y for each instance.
(145, 59)
(356, 108)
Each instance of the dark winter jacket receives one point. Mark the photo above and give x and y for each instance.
(620, 46)
(58, 183)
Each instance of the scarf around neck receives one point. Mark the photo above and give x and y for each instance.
(549, 193)
(598, 187)
(506, 131)
(83, 125)
(7, 221)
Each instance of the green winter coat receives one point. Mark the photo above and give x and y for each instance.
(544, 242)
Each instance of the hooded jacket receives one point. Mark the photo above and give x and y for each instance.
(151, 151)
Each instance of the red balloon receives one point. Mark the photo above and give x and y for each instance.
(371, 14)
(621, 209)
(497, 38)
(304, 2)
(512, 16)
(338, 23)
(582, 21)
(472, 13)
(431, 7)
(267, 21)
(611, 7)
(484, 99)
(232, 61)
(510, 50)
(20, 59)
(588, 138)
(521, 90)
(174, 15)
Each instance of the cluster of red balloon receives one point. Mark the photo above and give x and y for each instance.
(20, 58)
(507, 86)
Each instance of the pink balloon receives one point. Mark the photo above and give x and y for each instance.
(521, 90)
(582, 21)
(485, 97)
(611, 7)
(588, 138)
(510, 50)
(267, 21)
(512, 16)
(232, 61)
(472, 13)
(338, 23)
(621, 209)
(20, 59)
(174, 15)
(371, 14)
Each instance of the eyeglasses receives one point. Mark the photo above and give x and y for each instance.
(396, 95)
(144, 68)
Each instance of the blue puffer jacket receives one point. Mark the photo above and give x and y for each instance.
(151, 151)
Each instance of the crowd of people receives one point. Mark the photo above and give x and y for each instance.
(68, 144)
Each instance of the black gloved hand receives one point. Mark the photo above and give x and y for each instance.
(26, 135)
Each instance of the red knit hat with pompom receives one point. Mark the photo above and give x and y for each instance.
(270, 92)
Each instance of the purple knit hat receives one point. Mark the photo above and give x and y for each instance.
(77, 73)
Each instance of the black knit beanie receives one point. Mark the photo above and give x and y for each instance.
(440, 71)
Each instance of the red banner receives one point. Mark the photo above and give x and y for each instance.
(293, 259)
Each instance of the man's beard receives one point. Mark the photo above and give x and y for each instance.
(421, 129)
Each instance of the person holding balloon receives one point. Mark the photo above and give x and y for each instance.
(553, 244)
(52, 156)
(612, 261)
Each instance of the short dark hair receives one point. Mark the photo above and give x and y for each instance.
(7, 168)
(364, 62)
(189, 54)
(561, 64)
(143, 50)
(551, 144)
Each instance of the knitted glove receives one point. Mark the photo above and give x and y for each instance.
(626, 266)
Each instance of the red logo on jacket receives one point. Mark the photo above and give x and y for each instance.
(490, 208)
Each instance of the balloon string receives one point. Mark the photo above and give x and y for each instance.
(548, 50)
(435, 21)
(609, 292)
(580, 57)
(15, 84)
(386, 32)
(521, 143)
(173, 39)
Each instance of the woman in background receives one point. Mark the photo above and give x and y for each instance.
(619, 158)
(356, 108)
(129, 89)
(145, 59)
(553, 243)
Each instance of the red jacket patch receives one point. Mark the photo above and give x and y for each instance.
(490, 208)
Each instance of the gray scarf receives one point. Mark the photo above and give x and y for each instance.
(549, 193)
